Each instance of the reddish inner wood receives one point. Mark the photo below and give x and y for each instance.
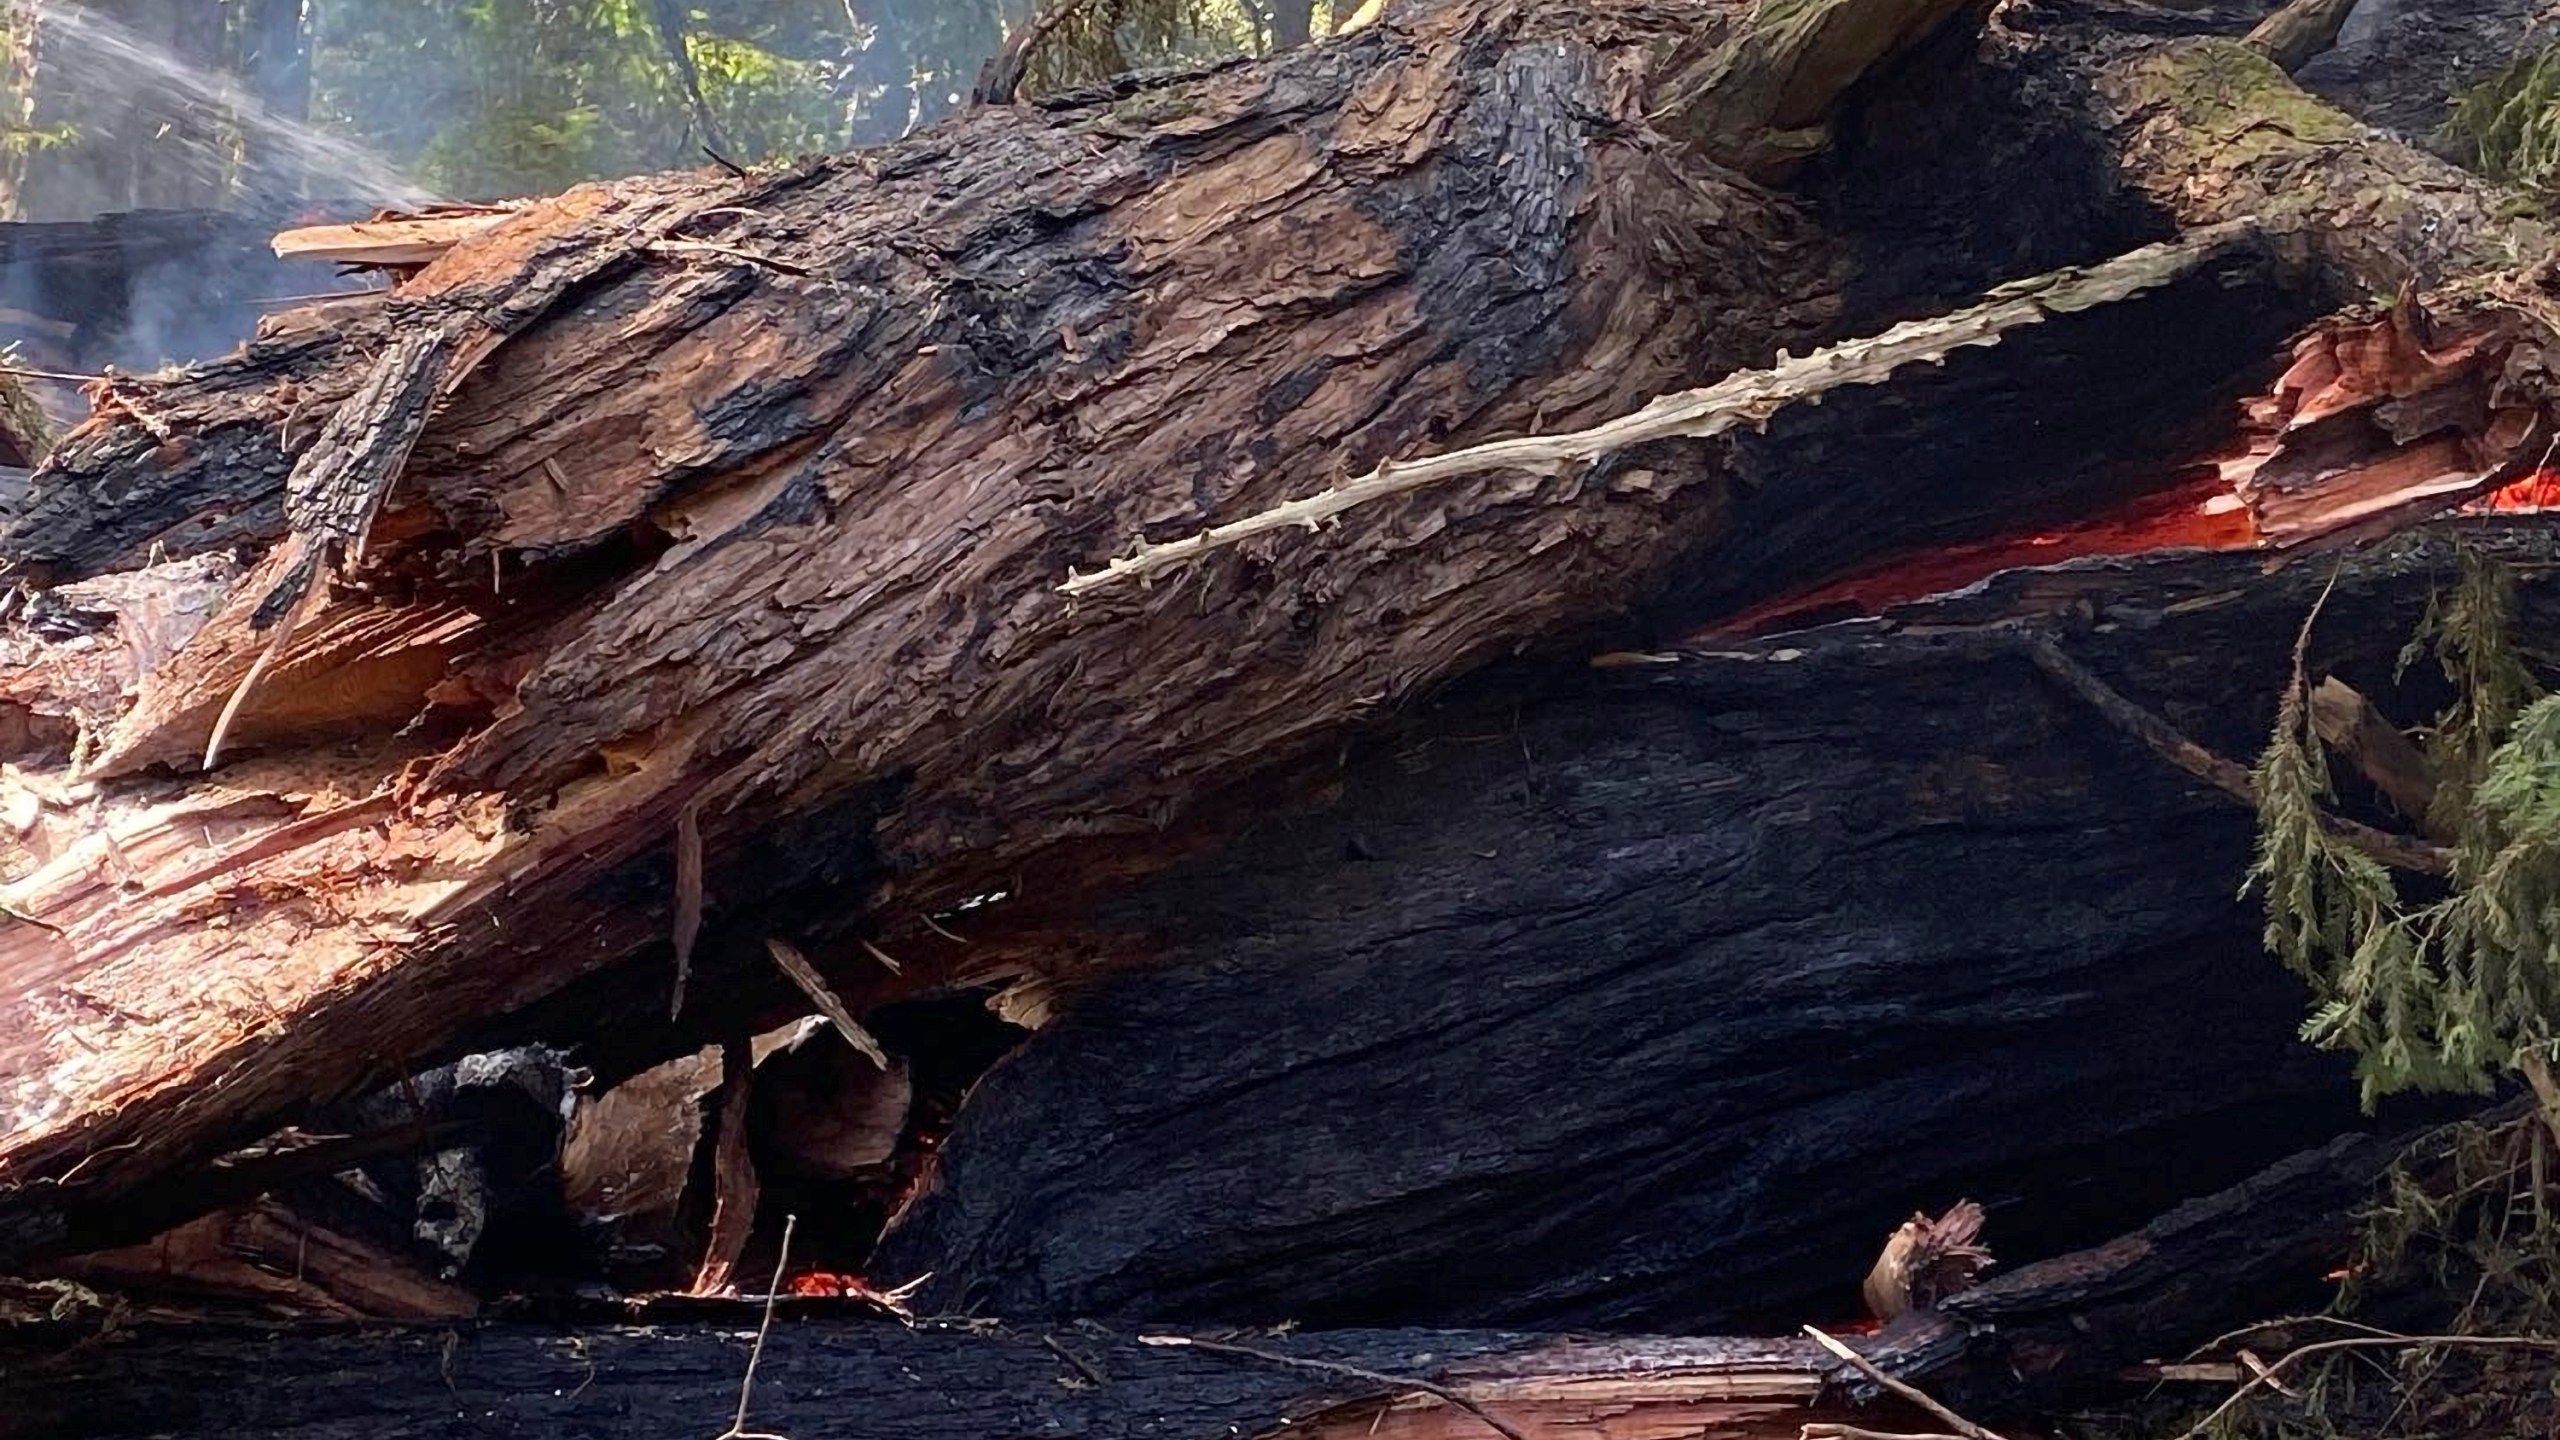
(2202, 514)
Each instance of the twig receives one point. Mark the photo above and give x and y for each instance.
(787, 957)
(1074, 1361)
(317, 297)
(2273, 1368)
(23, 373)
(1434, 1389)
(883, 956)
(1748, 397)
(738, 1427)
(1907, 1391)
(2227, 776)
(706, 247)
(2281, 1322)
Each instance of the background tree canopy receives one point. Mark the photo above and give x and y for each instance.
(478, 99)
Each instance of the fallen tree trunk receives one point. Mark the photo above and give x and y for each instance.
(956, 414)
(733, 514)
(2037, 1337)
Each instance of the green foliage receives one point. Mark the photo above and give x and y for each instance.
(2508, 126)
(487, 98)
(2463, 1231)
(2445, 992)
(1101, 38)
(483, 98)
(37, 137)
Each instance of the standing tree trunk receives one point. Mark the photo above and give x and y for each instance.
(1293, 23)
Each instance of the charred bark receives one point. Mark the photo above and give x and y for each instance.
(1655, 1002)
(2037, 1337)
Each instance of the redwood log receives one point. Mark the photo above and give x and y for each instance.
(835, 433)
(748, 499)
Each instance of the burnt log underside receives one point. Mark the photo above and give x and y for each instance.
(2036, 1338)
(1651, 1002)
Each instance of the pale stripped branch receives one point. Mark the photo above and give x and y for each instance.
(1749, 397)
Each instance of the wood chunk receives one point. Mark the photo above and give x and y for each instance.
(735, 1187)
(265, 1255)
(825, 1112)
(2351, 725)
(399, 241)
(628, 1160)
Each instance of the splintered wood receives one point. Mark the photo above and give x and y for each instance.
(2385, 420)
(390, 241)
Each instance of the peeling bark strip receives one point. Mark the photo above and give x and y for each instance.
(1749, 397)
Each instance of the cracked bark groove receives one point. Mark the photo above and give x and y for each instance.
(784, 544)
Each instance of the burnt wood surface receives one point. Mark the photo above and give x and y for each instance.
(2040, 1336)
(751, 498)
(1656, 1001)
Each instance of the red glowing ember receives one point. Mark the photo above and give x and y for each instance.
(2204, 515)
(2537, 491)
(825, 1284)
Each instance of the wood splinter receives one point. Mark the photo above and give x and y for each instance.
(1907, 1391)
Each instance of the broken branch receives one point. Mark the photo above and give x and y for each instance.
(2227, 776)
(1907, 1391)
(796, 966)
(1748, 397)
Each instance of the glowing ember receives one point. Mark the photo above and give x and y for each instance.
(2537, 491)
(826, 1284)
(2203, 515)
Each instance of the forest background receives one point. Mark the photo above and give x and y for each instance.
(130, 104)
